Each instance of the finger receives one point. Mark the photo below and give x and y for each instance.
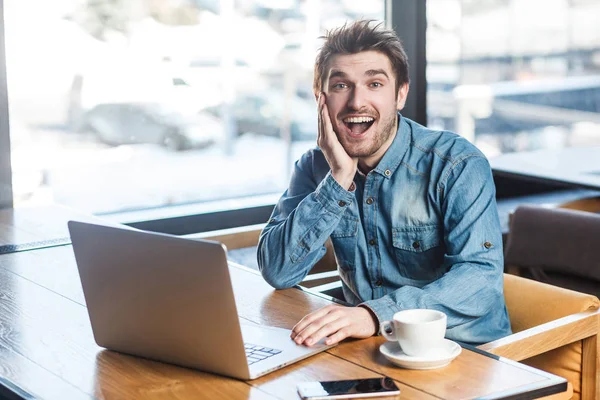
(338, 326)
(308, 319)
(326, 119)
(311, 331)
(305, 321)
(324, 133)
(338, 336)
(328, 136)
(320, 118)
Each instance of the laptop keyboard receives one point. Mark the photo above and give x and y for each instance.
(255, 353)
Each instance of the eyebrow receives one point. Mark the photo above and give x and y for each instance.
(336, 73)
(371, 72)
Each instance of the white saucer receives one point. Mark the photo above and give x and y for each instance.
(437, 358)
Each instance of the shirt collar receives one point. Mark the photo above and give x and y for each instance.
(394, 155)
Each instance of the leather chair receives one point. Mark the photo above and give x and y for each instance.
(555, 246)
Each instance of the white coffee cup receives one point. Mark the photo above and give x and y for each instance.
(418, 331)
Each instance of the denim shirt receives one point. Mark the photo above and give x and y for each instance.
(421, 230)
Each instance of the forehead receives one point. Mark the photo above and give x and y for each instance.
(358, 64)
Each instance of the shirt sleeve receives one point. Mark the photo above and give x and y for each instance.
(473, 283)
(308, 211)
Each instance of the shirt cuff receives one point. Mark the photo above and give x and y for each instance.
(332, 195)
(383, 309)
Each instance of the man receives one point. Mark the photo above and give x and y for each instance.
(411, 212)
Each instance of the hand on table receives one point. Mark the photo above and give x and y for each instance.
(334, 322)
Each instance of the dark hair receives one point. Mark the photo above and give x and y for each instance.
(358, 37)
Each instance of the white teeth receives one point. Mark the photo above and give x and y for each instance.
(358, 120)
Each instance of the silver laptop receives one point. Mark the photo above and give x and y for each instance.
(171, 299)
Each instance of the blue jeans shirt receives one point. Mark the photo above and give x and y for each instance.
(421, 230)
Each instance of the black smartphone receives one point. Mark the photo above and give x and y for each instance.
(348, 389)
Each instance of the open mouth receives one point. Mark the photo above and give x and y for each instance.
(358, 125)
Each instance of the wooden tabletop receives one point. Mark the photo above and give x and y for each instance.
(47, 349)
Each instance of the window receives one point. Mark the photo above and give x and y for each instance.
(120, 105)
(512, 78)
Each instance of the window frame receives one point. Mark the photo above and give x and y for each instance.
(6, 192)
(408, 18)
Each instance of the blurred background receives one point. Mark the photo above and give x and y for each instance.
(119, 105)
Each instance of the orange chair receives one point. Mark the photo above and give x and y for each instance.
(555, 330)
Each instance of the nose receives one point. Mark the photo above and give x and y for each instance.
(357, 98)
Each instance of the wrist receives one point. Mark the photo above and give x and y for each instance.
(372, 318)
(345, 180)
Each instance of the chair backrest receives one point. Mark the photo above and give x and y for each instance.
(556, 246)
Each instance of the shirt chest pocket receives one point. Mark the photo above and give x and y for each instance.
(419, 252)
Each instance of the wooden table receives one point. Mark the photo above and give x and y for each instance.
(47, 348)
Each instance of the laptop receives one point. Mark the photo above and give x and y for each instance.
(170, 299)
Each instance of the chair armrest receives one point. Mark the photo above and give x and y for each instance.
(234, 238)
(546, 337)
(322, 275)
(590, 204)
(320, 278)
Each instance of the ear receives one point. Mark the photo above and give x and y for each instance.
(402, 95)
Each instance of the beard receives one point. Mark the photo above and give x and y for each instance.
(364, 148)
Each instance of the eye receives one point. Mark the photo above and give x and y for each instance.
(340, 86)
(376, 84)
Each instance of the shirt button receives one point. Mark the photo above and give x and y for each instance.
(370, 200)
(416, 245)
(387, 172)
(372, 242)
(378, 283)
(342, 203)
(487, 245)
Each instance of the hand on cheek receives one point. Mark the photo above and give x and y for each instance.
(343, 167)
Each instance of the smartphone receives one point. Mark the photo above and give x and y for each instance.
(348, 389)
